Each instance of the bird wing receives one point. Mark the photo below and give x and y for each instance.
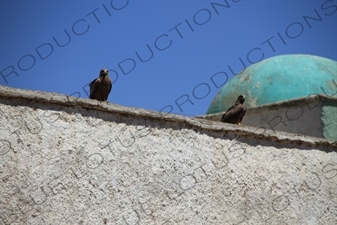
(94, 86)
(242, 113)
(105, 88)
(227, 114)
(233, 113)
(110, 83)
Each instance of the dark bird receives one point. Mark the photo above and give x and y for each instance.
(100, 88)
(236, 112)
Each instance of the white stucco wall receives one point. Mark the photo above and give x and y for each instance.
(78, 161)
(298, 116)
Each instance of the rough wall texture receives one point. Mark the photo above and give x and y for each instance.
(313, 115)
(329, 119)
(77, 161)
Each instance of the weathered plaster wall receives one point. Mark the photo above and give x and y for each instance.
(299, 117)
(78, 161)
(314, 115)
(329, 119)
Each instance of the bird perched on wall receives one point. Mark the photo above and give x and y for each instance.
(100, 88)
(236, 112)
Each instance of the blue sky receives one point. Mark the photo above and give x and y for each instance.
(168, 55)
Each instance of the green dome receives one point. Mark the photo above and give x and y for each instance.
(278, 79)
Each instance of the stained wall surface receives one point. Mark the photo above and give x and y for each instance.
(315, 116)
(78, 161)
(329, 119)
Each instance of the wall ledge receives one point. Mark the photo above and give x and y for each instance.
(199, 124)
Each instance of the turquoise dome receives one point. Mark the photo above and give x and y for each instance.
(279, 78)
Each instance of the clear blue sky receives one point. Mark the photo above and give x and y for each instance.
(191, 41)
